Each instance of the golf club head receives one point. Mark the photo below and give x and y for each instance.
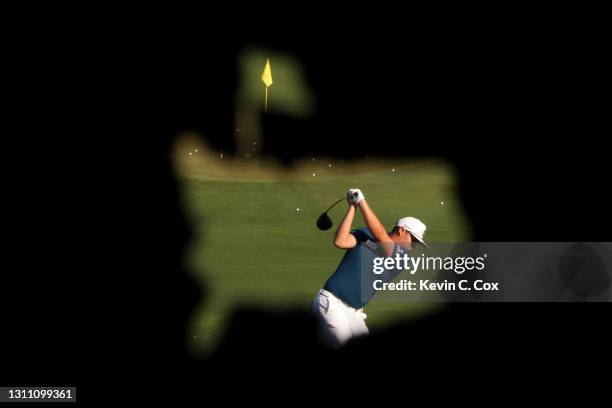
(324, 222)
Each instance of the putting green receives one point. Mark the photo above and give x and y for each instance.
(252, 245)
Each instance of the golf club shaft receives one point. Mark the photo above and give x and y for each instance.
(332, 206)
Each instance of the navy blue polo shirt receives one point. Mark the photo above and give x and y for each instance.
(347, 281)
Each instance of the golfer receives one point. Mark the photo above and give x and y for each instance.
(339, 305)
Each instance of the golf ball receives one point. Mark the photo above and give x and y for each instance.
(297, 209)
(441, 202)
(329, 164)
(190, 153)
(196, 150)
(393, 170)
(314, 174)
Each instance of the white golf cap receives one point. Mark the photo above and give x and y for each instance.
(414, 226)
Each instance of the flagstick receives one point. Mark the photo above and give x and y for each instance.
(266, 103)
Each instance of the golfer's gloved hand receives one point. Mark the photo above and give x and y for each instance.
(355, 196)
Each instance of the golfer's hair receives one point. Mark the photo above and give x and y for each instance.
(396, 231)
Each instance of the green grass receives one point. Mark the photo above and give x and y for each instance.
(251, 245)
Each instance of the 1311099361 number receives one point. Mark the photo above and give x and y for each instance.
(39, 394)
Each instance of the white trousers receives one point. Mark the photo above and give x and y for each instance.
(339, 321)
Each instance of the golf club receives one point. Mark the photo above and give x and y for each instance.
(324, 222)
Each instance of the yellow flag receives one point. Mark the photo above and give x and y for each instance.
(266, 77)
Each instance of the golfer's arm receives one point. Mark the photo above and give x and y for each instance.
(374, 225)
(343, 238)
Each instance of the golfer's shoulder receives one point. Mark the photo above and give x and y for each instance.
(363, 234)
